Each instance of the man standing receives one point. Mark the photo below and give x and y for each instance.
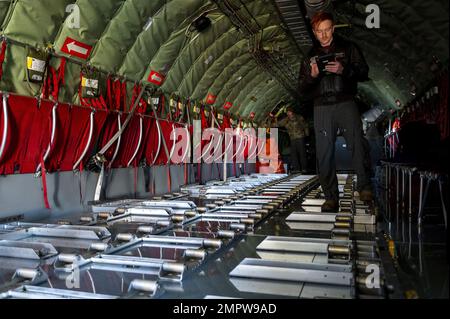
(297, 129)
(329, 76)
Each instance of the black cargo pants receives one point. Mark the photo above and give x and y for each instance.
(298, 155)
(327, 120)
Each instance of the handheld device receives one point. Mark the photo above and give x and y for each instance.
(323, 60)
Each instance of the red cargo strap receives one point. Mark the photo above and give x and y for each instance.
(185, 173)
(58, 78)
(109, 92)
(203, 119)
(142, 106)
(123, 89)
(163, 109)
(117, 93)
(48, 82)
(2, 57)
(44, 183)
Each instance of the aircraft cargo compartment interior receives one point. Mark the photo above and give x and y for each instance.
(224, 149)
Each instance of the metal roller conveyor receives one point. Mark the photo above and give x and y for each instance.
(26, 250)
(140, 286)
(219, 239)
(214, 193)
(144, 210)
(110, 207)
(339, 225)
(153, 215)
(332, 250)
(233, 208)
(291, 289)
(31, 276)
(163, 269)
(279, 192)
(221, 232)
(221, 227)
(319, 217)
(225, 187)
(312, 209)
(171, 206)
(329, 274)
(267, 286)
(218, 223)
(61, 231)
(8, 267)
(261, 197)
(192, 190)
(313, 202)
(66, 238)
(133, 222)
(365, 219)
(235, 214)
(178, 196)
(181, 243)
(155, 242)
(248, 201)
(182, 232)
(278, 188)
(36, 292)
(14, 226)
(311, 226)
(246, 184)
(187, 205)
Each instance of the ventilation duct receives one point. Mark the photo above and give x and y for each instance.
(293, 18)
(313, 6)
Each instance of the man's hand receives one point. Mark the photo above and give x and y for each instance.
(314, 70)
(334, 67)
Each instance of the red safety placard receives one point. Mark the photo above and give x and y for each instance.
(155, 78)
(227, 105)
(210, 98)
(76, 48)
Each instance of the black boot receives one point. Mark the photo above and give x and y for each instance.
(366, 195)
(330, 205)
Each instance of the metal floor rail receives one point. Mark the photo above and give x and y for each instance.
(162, 247)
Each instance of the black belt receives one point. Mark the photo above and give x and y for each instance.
(331, 98)
(328, 99)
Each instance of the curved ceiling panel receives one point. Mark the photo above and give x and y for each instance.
(135, 17)
(168, 20)
(133, 37)
(200, 77)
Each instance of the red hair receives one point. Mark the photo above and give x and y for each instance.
(320, 17)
